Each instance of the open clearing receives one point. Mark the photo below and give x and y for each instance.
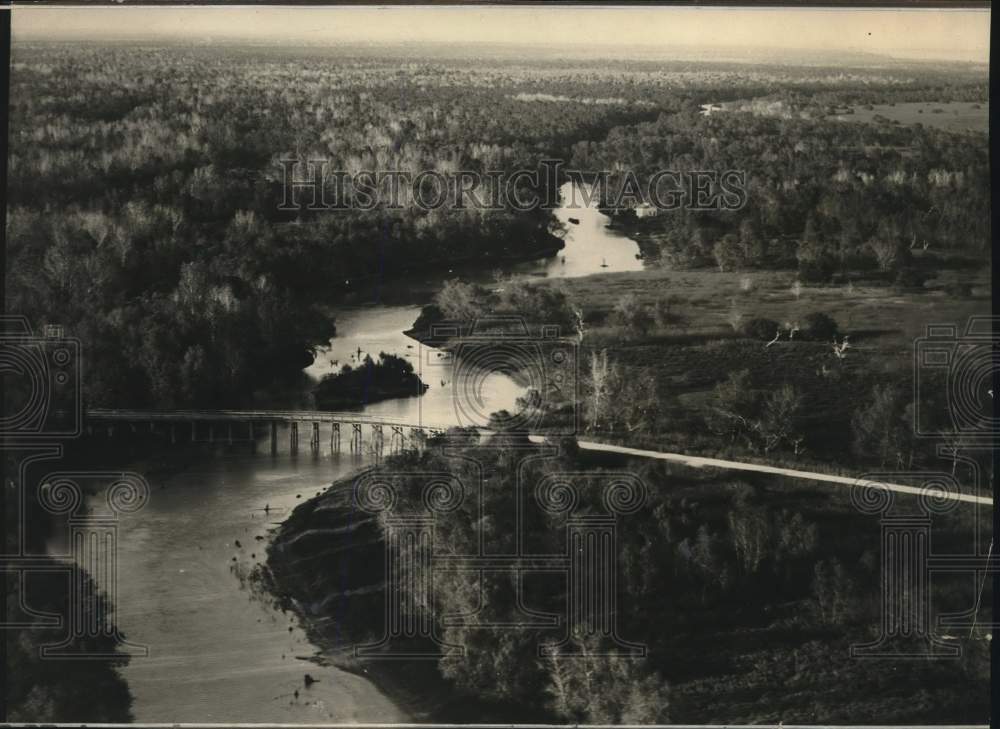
(956, 116)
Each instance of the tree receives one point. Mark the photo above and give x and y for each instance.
(752, 244)
(760, 328)
(890, 253)
(542, 305)
(729, 255)
(600, 688)
(776, 425)
(833, 592)
(763, 420)
(619, 400)
(600, 384)
(819, 327)
(732, 406)
(816, 260)
(37, 689)
(795, 536)
(664, 313)
(879, 429)
(735, 316)
(750, 528)
(459, 301)
(632, 316)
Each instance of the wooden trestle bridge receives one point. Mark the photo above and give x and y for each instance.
(250, 426)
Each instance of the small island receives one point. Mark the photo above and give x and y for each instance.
(389, 377)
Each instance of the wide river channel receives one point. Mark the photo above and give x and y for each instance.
(216, 654)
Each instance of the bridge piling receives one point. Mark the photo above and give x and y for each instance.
(417, 438)
(184, 426)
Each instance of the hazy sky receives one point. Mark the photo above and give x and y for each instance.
(938, 34)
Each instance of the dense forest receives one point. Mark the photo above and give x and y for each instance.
(146, 217)
(145, 186)
(825, 197)
(53, 689)
(747, 594)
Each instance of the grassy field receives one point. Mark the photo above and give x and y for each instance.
(690, 358)
(956, 116)
(884, 315)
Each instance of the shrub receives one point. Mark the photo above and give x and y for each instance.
(760, 328)
(665, 315)
(960, 289)
(911, 278)
(816, 270)
(819, 327)
(630, 314)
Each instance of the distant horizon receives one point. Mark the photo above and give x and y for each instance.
(960, 36)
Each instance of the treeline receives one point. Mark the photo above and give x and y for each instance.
(145, 196)
(802, 390)
(526, 307)
(145, 188)
(371, 381)
(823, 196)
(793, 392)
(49, 689)
(726, 583)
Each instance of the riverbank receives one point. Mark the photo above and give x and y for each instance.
(325, 563)
(417, 283)
(51, 689)
(371, 381)
(759, 568)
(182, 565)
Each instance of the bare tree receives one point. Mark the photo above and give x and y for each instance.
(632, 315)
(735, 317)
(763, 421)
(776, 425)
(600, 379)
(620, 400)
(751, 530)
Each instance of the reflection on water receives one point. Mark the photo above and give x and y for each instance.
(591, 246)
(376, 328)
(216, 654)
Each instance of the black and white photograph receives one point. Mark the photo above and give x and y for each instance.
(570, 365)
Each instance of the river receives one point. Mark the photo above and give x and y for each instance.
(216, 654)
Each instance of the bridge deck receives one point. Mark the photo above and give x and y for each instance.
(135, 416)
(322, 416)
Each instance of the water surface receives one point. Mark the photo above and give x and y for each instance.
(217, 654)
